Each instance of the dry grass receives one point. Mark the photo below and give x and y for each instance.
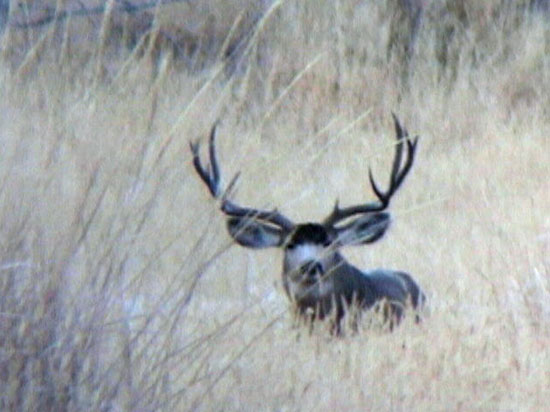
(120, 290)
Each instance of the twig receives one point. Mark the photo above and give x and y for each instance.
(124, 6)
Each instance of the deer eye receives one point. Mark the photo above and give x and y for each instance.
(290, 246)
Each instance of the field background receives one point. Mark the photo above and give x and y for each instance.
(119, 286)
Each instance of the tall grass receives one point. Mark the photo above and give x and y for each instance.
(119, 288)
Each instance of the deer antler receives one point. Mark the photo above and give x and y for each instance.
(210, 175)
(397, 177)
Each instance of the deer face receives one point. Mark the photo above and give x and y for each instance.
(308, 257)
(310, 249)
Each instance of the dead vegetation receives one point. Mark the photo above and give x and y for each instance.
(119, 288)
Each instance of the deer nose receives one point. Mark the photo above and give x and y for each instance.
(311, 270)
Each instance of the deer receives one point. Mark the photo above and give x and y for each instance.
(316, 277)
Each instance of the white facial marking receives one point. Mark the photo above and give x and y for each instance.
(298, 256)
(303, 253)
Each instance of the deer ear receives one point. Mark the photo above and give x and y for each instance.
(365, 229)
(254, 234)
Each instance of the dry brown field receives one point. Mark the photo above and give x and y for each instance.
(120, 288)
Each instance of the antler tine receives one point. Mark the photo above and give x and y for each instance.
(215, 169)
(402, 134)
(210, 175)
(209, 180)
(397, 177)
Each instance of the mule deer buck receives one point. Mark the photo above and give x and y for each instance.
(316, 277)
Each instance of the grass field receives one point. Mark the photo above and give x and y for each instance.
(120, 288)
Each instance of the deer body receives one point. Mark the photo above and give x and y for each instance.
(316, 277)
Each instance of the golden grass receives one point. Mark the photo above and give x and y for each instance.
(119, 287)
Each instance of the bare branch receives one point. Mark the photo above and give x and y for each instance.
(123, 6)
